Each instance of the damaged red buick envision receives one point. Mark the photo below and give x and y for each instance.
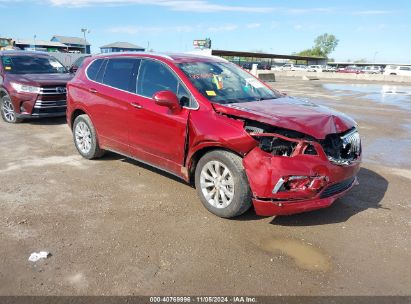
(212, 124)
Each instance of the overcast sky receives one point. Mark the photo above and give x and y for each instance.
(365, 28)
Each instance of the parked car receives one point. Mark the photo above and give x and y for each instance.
(328, 68)
(276, 68)
(315, 68)
(372, 69)
(299, 67)
(263, 66)
(77, 64)
(287, 67)
(212, 124)
(398, 70)
(352, 69)
(247, 65)
(32, 84)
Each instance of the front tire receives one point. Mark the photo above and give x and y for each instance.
(85, 138)
(222, 184)
(7, 110)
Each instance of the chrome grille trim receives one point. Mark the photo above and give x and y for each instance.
(58, 90)
(42, 104)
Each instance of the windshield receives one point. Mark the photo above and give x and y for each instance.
(225, 83)
(32, 65)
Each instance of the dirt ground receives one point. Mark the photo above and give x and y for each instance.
(117, 227)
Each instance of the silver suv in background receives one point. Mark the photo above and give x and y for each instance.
(315, 68)
(400, 70)
(371, 69)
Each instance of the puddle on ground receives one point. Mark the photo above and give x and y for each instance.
(397, 95)
(305, 255)
(401, 172)
(386, 151)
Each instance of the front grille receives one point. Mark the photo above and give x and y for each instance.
(337, 188)
(342, 149)
(53, 90)
(51, 100)
(44, 104)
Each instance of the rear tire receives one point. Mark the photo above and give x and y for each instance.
(85, 138)
(7, 110)
(222, 184)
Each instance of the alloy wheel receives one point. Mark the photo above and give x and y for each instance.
(217, 184)
(83, 137)
(8, 110)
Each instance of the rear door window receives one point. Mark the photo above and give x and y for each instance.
(121, 73)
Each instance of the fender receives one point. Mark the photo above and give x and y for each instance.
(3, 90)
(78, 107)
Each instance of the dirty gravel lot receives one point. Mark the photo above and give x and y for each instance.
(117, 227)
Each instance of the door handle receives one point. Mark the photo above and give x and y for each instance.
(94, 91)
(136, 105)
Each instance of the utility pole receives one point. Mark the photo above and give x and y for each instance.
(84, 31)
(375, 54)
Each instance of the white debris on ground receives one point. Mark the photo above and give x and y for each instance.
(35, 256)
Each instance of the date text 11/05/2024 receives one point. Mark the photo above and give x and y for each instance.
(182, 299)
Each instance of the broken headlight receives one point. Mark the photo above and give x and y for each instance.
(280, 142)
(276, 146)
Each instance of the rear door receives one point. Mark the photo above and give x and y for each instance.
(113, 93)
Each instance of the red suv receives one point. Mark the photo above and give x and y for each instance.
(213, 124)
(32, 84)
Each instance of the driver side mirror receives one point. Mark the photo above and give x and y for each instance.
(73, 69)
(167, 99)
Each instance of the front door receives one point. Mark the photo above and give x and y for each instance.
(157, 135)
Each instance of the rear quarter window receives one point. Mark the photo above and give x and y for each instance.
(94, 68)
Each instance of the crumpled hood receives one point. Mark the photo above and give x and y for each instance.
(40, 79)
(293, 114)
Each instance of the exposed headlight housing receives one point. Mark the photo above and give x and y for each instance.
(22, 88)
(280, 142)
(300, 183)
(300, 187)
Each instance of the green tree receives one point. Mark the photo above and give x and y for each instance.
(324, 45)
(362, 60)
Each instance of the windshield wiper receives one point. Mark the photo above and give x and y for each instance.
(264, 98)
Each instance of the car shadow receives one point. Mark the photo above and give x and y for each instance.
(115, 156)
(368, 194)
(46, 121)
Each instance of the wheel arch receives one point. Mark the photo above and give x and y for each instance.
(74, 114)
(3, 92)
(200, 152)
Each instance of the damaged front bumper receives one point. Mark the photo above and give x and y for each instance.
(283, 185)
